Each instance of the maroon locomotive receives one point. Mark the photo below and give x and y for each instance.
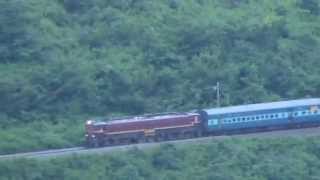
(147, 128)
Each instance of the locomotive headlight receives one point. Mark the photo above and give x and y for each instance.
(89, 122)
(93, 136)
(86, 135)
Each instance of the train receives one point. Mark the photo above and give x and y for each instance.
(206, 122)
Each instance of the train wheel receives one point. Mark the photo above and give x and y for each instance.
(133, 141)
(149, 139)
(94, 143)
(108, 142)
(158, 138)
(187, 135)
(196, 134)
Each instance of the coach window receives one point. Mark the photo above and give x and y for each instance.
(295, 114)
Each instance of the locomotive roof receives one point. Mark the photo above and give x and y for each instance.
(144, 118)
(264, 106)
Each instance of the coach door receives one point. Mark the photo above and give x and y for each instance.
(291, 115)
(220, 119)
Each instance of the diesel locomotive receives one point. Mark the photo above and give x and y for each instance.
(206, 122)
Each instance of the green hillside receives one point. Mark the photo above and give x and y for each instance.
(255, 159)
(62, 61)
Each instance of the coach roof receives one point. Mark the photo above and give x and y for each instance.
(264, 106)
(148, 117)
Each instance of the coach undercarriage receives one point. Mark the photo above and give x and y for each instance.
(112, 139)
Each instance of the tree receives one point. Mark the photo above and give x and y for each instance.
(16, 40)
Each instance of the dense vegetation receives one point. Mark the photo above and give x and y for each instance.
(280, 159)
(62, 61)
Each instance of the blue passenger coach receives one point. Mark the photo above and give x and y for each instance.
(264, 115)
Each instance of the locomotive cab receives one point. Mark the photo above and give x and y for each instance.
(93, 131)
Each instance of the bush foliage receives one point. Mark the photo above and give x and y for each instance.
(233, 159)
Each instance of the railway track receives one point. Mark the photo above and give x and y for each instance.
(296, 133)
